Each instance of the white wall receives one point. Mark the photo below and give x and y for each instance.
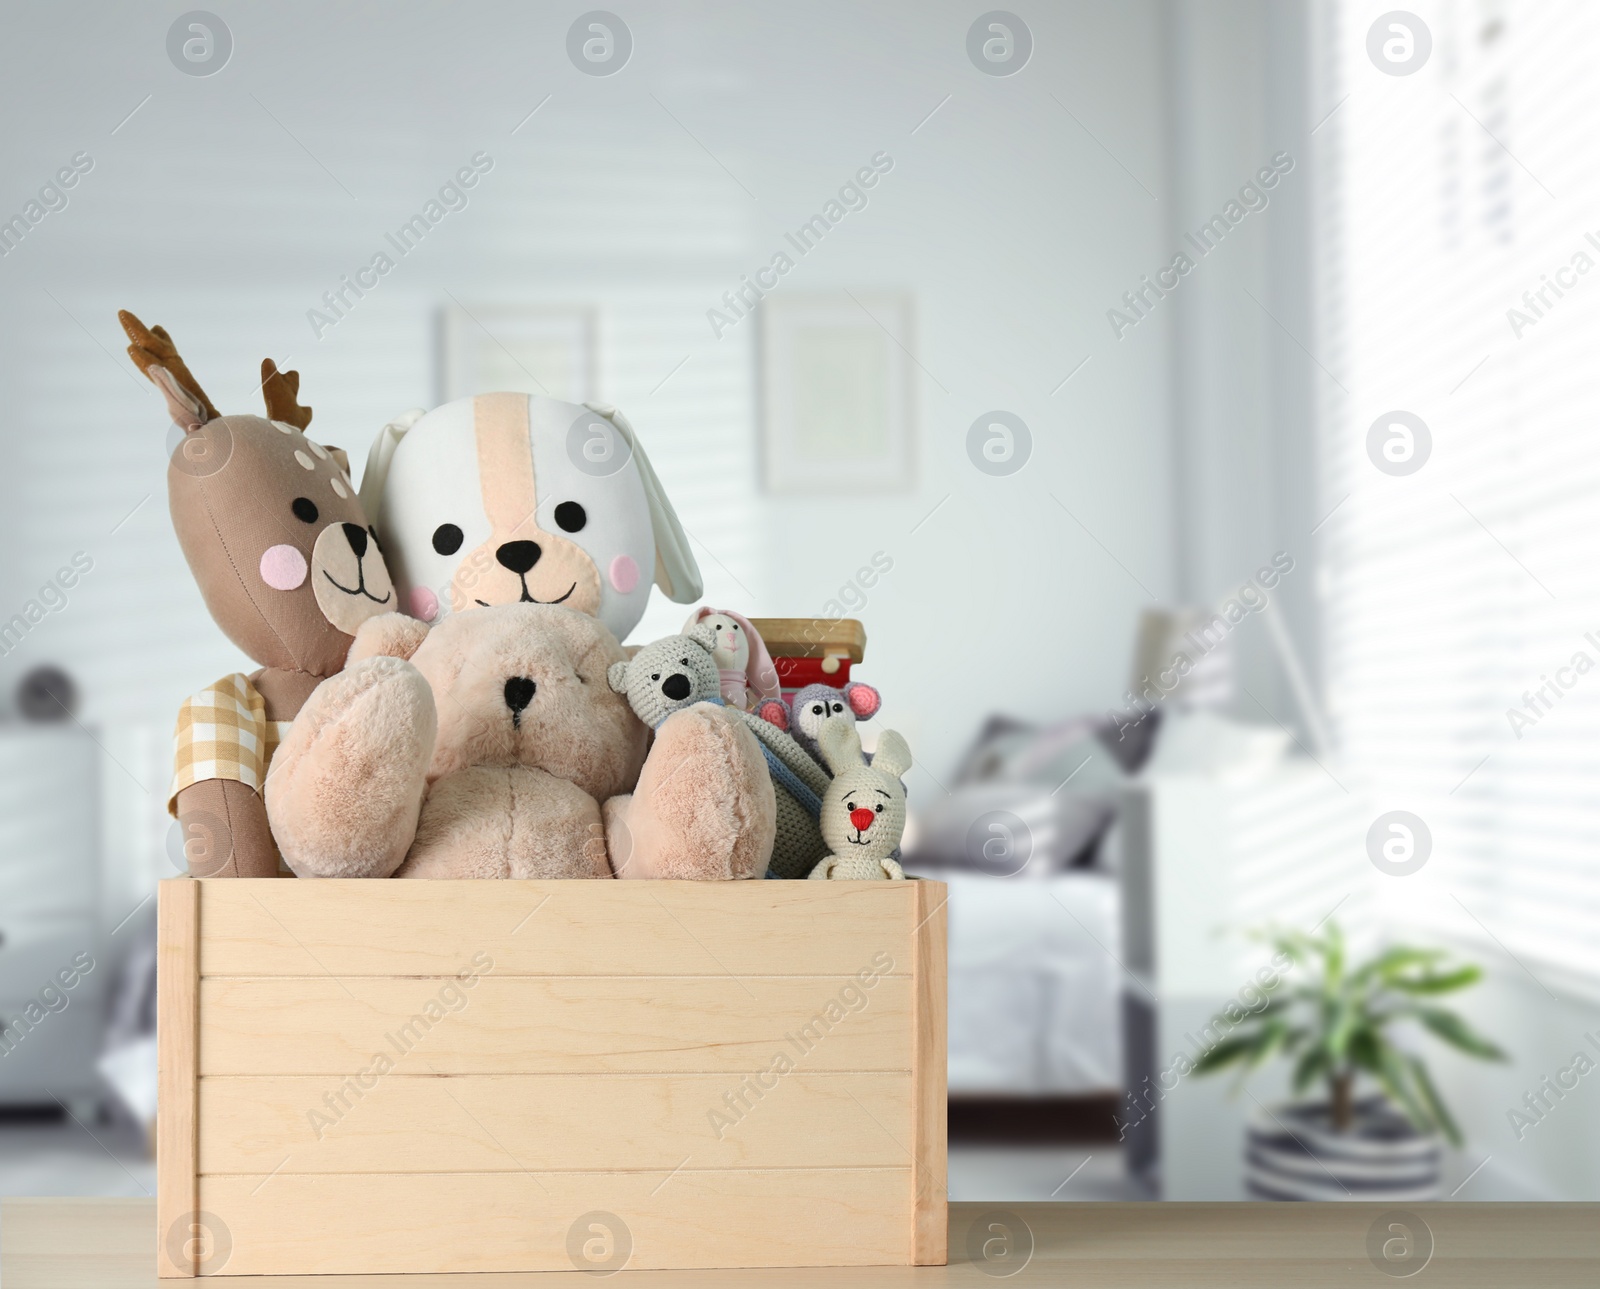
(1011, 224)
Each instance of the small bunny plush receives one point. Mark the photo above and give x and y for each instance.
(748, 675)
(864, 809)
(802, 719)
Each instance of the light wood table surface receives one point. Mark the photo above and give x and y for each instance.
(110, 1244)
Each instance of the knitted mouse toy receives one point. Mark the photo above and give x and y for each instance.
(814, 704)
(864, 809)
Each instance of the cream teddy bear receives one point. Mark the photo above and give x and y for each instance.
(481, 748)
(864, 808)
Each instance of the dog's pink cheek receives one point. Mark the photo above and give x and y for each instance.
(624, 573)
(283, 568)
(424, 604)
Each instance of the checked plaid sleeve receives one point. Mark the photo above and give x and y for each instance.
(222, 733)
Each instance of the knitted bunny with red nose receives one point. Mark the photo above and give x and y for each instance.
(864, 808)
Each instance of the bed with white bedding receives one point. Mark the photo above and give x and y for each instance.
(1034, 985)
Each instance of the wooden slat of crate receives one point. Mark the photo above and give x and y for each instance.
(547, 1025)
(387, 1222)
(498, 1123)
(353, 928)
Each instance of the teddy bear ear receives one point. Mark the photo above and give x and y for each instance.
(839, 744)
(702, 634)
(864, 700)
(617, 677)
(775, 712)
(893, 756)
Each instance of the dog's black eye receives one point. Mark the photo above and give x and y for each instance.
(305, 510)
(447, 539)
(571, 516)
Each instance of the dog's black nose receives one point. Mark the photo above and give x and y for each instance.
(356, 535)
(676, 686)
(519, 693)
(519, 557)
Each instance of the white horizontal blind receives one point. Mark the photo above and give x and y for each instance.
(1453, 592)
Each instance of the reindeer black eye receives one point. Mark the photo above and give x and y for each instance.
(571, 516)
(305, 510)
(447, 539)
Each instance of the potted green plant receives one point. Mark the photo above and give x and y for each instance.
(1334, 1019)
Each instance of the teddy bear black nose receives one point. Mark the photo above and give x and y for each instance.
(356, 535)
(676, 686)
(519, 693)
(519, 557)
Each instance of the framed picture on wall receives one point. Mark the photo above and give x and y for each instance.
(836, 393)
(549, 350)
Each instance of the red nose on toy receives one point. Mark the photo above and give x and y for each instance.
(862, 818)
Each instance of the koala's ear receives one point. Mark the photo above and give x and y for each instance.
(774, 711)
(839, 744)
(864, 700)
(391, 635)
(893, 756)
(703, 635)
(617, 677)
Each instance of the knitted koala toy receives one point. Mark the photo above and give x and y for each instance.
(864, 809)
(704, 807)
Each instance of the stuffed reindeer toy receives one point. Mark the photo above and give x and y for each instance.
(289, 568)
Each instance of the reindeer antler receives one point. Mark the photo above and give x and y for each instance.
(152, 347)
(281, 390)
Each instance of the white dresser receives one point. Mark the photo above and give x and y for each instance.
(49, 917)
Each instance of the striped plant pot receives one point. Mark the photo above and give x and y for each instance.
(1292, 1153)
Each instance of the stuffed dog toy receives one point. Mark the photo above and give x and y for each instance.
(480, 748)
(864, 809)
(704, 807)
(289, 568)
(514, 498)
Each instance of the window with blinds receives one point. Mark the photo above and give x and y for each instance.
(1459, 276)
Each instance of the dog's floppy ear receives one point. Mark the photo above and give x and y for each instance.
(893, 756)
(378, 459)
(617, 677)
(839, 744)
(677, 574)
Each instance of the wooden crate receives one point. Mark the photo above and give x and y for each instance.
(446, 1076)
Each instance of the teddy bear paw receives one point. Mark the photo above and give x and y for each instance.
(347, 782)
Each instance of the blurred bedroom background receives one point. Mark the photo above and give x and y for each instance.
(1257, 334)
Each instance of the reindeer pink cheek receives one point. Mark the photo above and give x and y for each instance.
(283, 568)
(424, 604)
(624, 573)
